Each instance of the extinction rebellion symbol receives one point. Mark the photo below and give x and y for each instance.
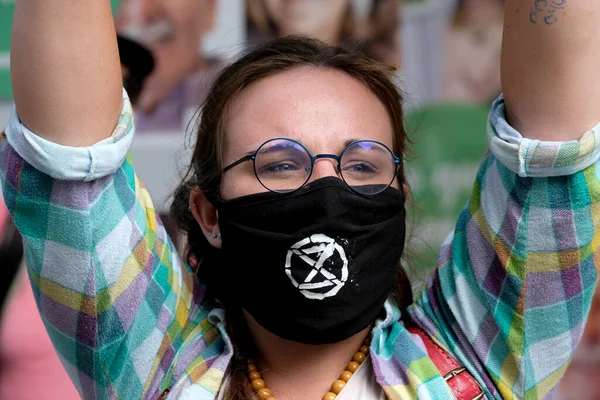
(317, 266)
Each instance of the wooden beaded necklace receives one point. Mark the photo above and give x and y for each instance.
(263, 393)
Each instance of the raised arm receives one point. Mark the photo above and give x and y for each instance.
(116, 299)
(513, 288)
(550, 58)
(65, 69)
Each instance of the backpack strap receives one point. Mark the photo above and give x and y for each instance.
(462, 383)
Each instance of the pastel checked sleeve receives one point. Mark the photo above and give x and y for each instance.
(115, 297)
(515, 280)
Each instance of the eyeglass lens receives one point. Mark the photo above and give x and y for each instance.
(284, 165)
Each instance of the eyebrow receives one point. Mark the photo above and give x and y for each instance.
(347, 143)
(377, 148)
(252, 152)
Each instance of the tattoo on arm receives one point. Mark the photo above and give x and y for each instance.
(546, 11)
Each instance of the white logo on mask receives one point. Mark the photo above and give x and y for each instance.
(328, 262)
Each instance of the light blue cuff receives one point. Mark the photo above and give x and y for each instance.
(536, 158)
(74, 163)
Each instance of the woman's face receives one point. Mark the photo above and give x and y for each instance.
(173, 31)
(316, 18)
(323, 109)
(473, 65)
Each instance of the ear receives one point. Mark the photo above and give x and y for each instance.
(207, 217)
(405, 189)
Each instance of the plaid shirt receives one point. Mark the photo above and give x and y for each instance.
(509, 298)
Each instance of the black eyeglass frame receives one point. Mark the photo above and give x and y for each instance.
(397, 161)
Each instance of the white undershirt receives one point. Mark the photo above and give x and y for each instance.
(362, 385)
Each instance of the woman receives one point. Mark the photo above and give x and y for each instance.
(173, 31)
(371, 23)
(298, 266)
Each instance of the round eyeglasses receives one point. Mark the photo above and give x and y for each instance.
(285, 165)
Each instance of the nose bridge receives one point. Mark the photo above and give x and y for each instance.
(325, 165)
(330, 156)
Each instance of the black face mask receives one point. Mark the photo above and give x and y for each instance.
(314, 266)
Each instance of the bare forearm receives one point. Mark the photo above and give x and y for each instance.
(65, 69)
(550, 64)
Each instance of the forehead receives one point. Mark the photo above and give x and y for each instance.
(322, 108)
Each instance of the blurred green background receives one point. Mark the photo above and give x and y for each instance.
(449, 142)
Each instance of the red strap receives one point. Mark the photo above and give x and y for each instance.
(463, 385)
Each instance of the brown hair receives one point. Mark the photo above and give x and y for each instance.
(205, 170)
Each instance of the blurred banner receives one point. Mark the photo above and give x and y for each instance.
(474, 41)
(451, 51)
(446, 50)
(371, 25)
(170, 51)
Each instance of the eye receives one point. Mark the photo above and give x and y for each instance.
(280, 167)
(360, 167)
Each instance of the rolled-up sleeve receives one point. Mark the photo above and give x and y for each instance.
(536, 158)
(74, 163)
